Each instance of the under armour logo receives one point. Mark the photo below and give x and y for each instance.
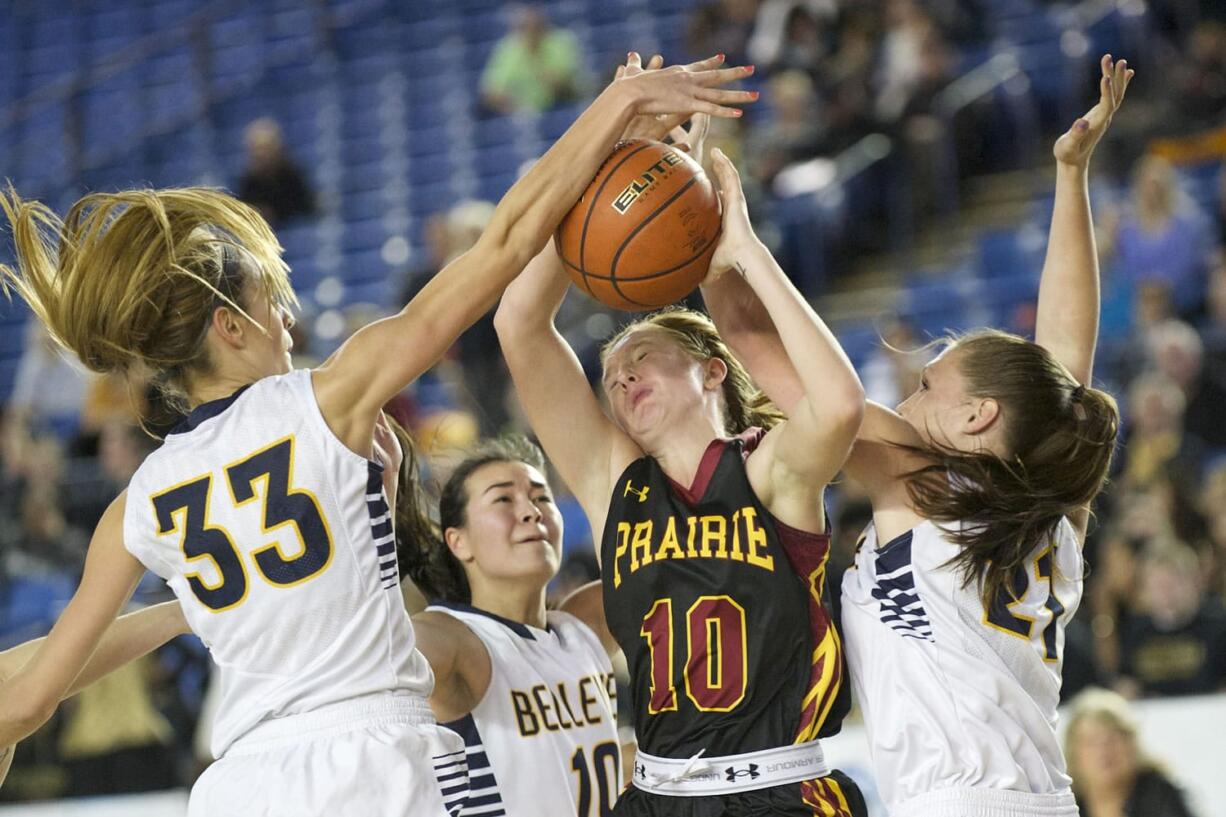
(641, 493)
(733, 772)
(640, 771)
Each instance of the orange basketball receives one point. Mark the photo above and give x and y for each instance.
(644, 231)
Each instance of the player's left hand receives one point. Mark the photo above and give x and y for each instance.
(737, 231)
(1076, 145)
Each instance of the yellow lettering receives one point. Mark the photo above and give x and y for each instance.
(670, 548)
(623, 543)
(544, 707)
(714, 529)
(587, 699)
(640, 543)
(736, 554)
(565, 724)
(526, 718)
(755, 541)
(692, 524)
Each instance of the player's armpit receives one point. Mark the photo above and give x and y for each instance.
(461, 664)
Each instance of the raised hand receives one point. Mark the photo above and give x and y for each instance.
(1076, 145)
(737, 232)
(682, 89)
(694, 140)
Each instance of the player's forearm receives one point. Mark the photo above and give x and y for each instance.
(747, 328)
(532, 208)
(823, 369)
(532, 300)
(1067, 319)
(130, 637)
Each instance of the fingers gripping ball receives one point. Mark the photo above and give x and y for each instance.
(644, 231)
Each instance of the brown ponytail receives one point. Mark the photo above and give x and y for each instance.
(745, 405)
(1060, 435)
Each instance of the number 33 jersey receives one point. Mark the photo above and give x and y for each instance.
(718, 608)
(955, 696)
(278, 542)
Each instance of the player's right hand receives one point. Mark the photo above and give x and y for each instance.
(737, 231)
(684, 89)
(1076, 145)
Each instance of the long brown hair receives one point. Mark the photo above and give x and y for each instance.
(1060, 437)
(130, 280)
(423, 554)
(745, 405)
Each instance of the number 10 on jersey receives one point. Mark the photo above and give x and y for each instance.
(715, 654)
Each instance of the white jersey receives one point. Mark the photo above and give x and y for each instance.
(956, 698)
(543, 740)
(278, 542)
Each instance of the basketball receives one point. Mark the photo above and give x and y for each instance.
(643, 233)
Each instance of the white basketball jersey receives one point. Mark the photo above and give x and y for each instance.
(278, 542)
(955, 696)
(543, 740)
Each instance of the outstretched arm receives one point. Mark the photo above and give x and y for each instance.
(1067, 320)
(29, 698)
(382, 358)
(130, 637)
(588, 450)
(798, 457)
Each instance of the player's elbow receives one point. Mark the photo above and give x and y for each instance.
(842, 412)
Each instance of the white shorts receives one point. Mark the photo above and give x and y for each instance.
(379, 755)
(977, 802)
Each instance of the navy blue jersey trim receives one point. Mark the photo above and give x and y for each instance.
(517, 627)
(207, 411)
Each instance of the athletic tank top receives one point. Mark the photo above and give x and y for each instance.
(953, 695)
(543, 739)
(278, 542)
(718, 607)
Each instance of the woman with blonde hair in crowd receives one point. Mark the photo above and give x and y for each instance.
(1112, 776)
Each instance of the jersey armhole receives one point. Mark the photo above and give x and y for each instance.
(317, 416)
(489, 652)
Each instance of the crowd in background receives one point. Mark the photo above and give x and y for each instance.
(1153, 620)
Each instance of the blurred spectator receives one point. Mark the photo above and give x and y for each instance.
(910, 60)
(1161, 236)
(49, 386)
(533, 68)
(1175, 644)
(1179, 354)
(272, 182)
(1112, 777)
(793, 132)
(1214, 328)
(1212, 504)
(1199, 86)
(791, 35)
(721, 27)
(1155, 435)
(114, 739)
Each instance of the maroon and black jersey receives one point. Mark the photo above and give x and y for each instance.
(718, 607)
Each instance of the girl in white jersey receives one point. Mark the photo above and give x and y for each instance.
(531, 691)
(981, 483)
(263, 510)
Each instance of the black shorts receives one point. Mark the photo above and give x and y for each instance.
(834, 796)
